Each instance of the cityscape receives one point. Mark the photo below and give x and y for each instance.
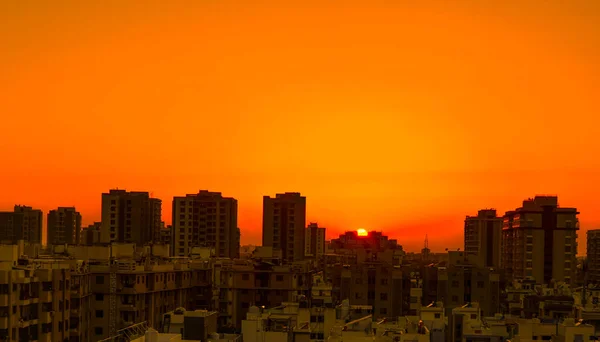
(299, 171)
(131, 277)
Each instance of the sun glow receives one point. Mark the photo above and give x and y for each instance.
(362, 232)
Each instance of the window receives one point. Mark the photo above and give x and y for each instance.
(383, 296)
(480, 284)
(455, 298)
(245, 277)
(98, 331)
(437, 315)
(384, 281)
(99, 297)
(279, 278)
(99, 314)
(383, 311)
(455, 283)
(100, 280)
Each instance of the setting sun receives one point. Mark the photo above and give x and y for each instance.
(362, 232)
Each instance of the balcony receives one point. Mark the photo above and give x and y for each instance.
(128, 289)
(47, 337)
(4, 321)
(127, 307)
(45, 297)
(4, 300)
(45, 317)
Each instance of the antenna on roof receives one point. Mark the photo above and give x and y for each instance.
(426, 241)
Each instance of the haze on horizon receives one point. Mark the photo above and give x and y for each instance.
(400, 117)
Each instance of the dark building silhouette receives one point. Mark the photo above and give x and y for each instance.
(373, 241)
(23, 223)
(64, 226)
(284, 224)
(90, 235)
(592, 265)
(483, 237)
(130, 217)
(314, 241)
(539, 241)
(205, 219)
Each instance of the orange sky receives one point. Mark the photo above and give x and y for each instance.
(402, 116)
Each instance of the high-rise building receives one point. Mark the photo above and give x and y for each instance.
(284, 223)
(593, 257)
(483, 237)
(205, 219)
(23, 223)
(130, 217)
(540, 241)
(64, 226)
(314, 241)
(90, 235)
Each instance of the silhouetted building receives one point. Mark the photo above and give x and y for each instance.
(593, 256)
(539, 241)
(130, 217)
(90, 235)
(64, 226)
(373, 241)
(314, 241)
(462, 281)
(284, 224)
(166, 235)
(205, 219)
(23, 223)
(483, 237)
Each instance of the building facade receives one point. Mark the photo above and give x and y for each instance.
(23, 223)
(205, 219)
(592, 268)
(314, 241)
(284, 224)
(483, 237)
(64, 226)
(540, 241)
(243, 284)
(130, 217)
(90, 235)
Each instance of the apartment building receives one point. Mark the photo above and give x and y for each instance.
(314, 241)
(373, 241)
(458, 285)
(284, 224)
(375, 283)
(64, 226)
(90, 235)
(130, 217)
(593, 257)
(39, 300)
(243, 283)
(540, 241)
(23, 223)
(166, 235)
(205, 219)
(127, 291)
(483, 237)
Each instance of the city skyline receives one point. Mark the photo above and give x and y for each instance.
(305, 222)
(401, 117)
